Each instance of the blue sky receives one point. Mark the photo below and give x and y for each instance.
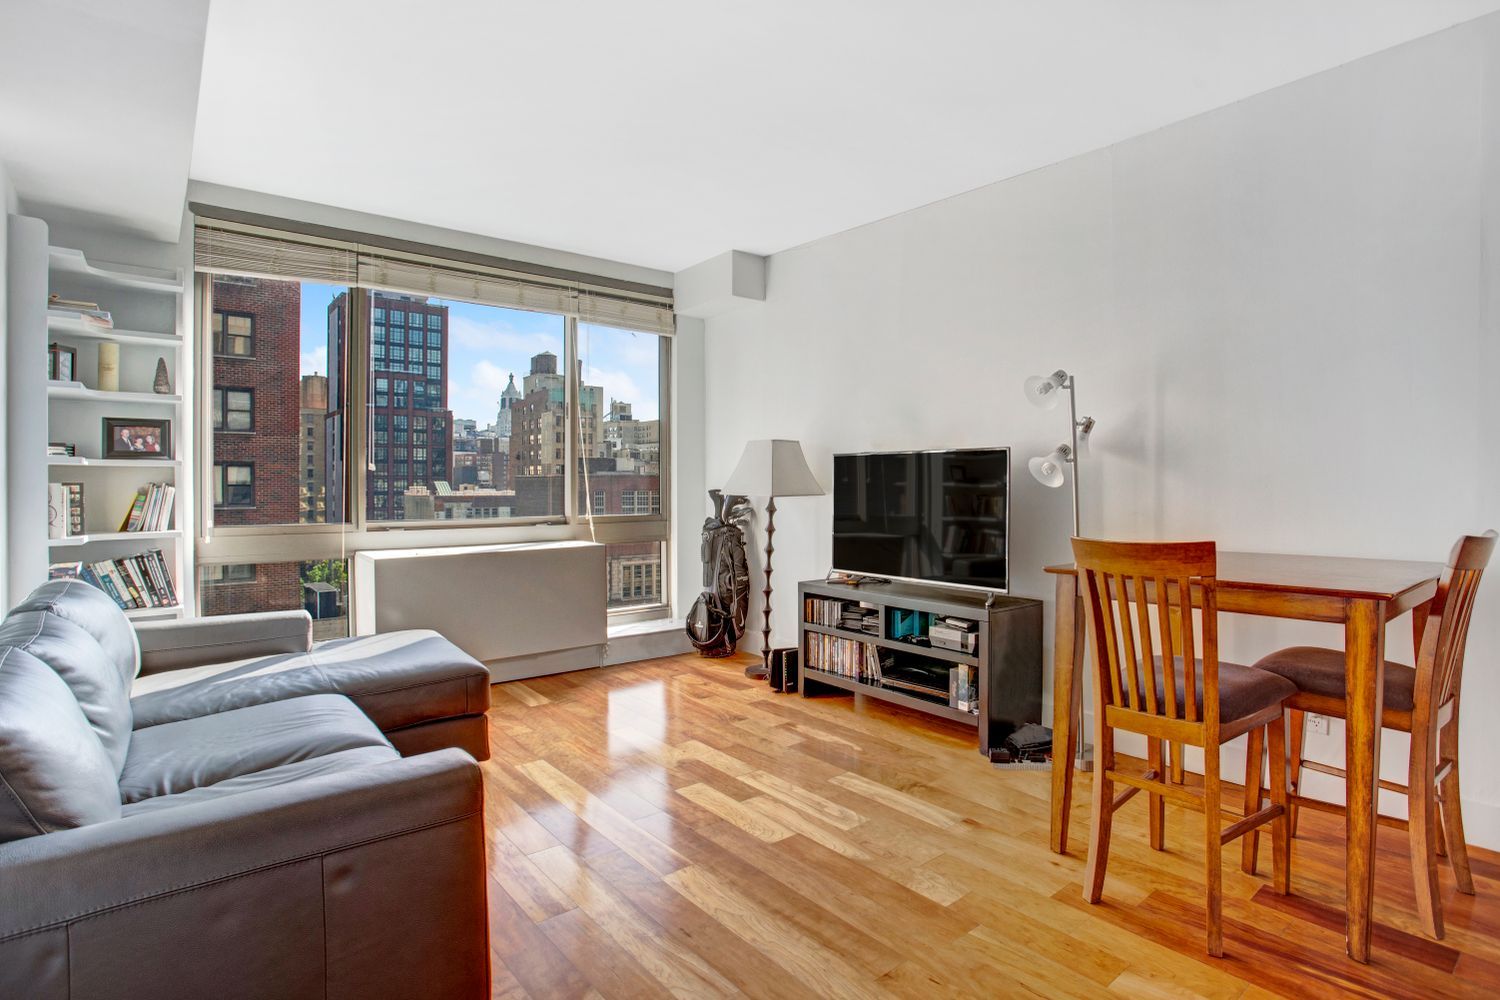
(486, 344)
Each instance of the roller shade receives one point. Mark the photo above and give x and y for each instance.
(258, 255)
(228, 248)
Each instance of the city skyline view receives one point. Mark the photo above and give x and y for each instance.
(489, 343)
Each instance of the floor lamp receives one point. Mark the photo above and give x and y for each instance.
(771, 469)
(1045, 391)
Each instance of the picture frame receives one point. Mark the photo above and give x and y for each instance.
(135, 437)
(62, 363)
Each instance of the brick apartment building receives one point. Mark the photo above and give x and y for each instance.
(411, 427)
(257, 433)
(313, 444)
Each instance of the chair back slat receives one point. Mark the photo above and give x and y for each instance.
(1140, 669)
(1441, 657)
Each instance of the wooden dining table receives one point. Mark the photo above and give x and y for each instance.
(1360, 594)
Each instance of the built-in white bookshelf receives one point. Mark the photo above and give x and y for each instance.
(147, 309)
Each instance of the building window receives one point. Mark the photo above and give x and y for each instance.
(228, 573)
(234, 410)
(234, 334)
(234, 484)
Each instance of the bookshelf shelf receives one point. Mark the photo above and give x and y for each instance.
(170, 611)
(79, 391)
(62, 260)
(112, 536)
(78, 462)
(65, 324)
(1007, 661)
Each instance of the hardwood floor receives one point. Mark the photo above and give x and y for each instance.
(671, 828)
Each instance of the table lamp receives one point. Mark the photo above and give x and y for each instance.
(771, 469)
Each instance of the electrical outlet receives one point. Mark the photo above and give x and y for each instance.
(1317, 724)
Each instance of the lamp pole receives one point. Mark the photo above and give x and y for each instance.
(764, 670)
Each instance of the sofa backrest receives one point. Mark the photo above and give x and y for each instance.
(54, 773)
(96, 682)
(94, 611)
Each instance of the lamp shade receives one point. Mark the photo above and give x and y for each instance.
(773, 468)
(1041, 390)
(1048, 469)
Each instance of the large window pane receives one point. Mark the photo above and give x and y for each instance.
(619, 421)
(635, 574)
(321, 588)
(271, 422)
(468, 411)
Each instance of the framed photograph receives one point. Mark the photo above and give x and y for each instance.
(62, 362)
(136, 438)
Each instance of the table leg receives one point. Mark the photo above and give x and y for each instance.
(1364, 646)
(1067, 684)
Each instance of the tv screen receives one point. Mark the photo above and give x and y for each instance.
(931, 516)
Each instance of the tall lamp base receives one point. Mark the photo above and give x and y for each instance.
(762, 670)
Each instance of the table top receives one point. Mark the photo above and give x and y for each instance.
(1332, 576)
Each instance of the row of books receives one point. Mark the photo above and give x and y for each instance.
(64, 510)
(834, 613)
(139, 581)
(152, 508)
(850, 658)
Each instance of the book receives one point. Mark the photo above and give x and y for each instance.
(60, 449)
(57, 511)
(74, 496)
(65, 571)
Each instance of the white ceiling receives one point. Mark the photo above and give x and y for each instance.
(657, 132)
(97, 99)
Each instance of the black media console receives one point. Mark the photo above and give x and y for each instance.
(877, 640)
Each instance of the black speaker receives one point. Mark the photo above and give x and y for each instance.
(783, 676)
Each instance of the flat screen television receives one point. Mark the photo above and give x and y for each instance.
(928, 516)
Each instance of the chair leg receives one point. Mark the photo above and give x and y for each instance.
(1421, 804)
(1281, 826)
(1212, 818)
(1103, 813)
(1453, 816)
(1157, 804)
(1298, 730)
(1250, 842)
(1178, 768)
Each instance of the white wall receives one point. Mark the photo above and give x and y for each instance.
(8, 204)
(1283, 314)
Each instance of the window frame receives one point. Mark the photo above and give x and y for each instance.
(294, 541)
(221, 477)
(223, 335)
(219, 410)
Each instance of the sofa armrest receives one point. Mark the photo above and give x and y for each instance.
(362, 883)
(193, 642)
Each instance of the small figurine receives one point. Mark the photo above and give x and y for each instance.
(163, 382)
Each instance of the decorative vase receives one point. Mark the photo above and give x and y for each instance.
(162, 384)
(109, 366)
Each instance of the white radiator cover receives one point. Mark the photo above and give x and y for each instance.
(524, 610)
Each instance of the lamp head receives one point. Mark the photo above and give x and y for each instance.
(1085, 435)
(1043, 390)
(1048, 469)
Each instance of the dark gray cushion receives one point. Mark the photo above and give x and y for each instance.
(397, 679)
(1322, 671)
(332, 763)
(179, 756)
(54, 773)
(92, 610)
(1242, 690)
(102, 693)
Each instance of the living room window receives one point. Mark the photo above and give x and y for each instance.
(455, 398)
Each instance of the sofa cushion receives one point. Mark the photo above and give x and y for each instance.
(92, 610)
(176, 757)
(397, 679)
(333, 763)
(54, 773)
(82, 663)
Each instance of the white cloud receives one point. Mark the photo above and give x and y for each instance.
(315, 361)
(619, 385)
(496, 335)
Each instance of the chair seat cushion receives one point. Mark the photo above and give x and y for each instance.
(1316, 670)
(397, 679)
(333, 763)
(177, 757)
(1243, 690)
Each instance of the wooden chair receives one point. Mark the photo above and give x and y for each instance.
(1422, 701)
(1168, 684)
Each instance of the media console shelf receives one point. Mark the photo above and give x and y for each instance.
(1006, 662)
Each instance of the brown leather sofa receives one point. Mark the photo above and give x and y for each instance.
(220, 808)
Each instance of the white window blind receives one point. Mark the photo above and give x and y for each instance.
(226, 248)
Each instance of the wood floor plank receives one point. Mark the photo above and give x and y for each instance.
(673, 828)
